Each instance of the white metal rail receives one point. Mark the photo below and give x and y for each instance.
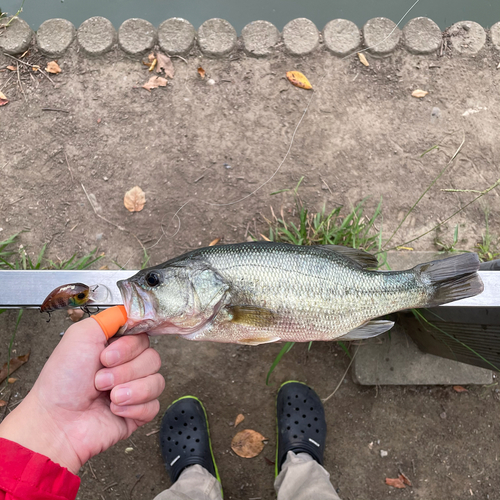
(29, 288)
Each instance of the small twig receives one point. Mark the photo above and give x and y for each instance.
(324, 182)
(5, 165)
(199, 179)
(15, 201)
(461, 191)
(31, 66)
(70, 171)
(343, 377)
(152, 432)
(92, 471)
(98, 214)
(134, 485)
(110, 486)
(20, 84)
(179, 57)
(6, 83)
(54, 109)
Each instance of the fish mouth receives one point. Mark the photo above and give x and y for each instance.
(140, 309)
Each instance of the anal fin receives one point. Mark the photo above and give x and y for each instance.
(368, 330)
(259, 340)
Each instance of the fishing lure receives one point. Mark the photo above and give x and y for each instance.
(74, 295)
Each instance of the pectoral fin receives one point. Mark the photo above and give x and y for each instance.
(252, 316)
(368, 329)
(259, 340)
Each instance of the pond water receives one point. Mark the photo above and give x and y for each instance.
(241, 12)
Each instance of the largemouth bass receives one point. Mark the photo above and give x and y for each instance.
(253, 293)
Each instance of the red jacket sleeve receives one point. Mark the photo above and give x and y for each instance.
(26, 475)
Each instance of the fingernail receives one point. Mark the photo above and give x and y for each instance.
(112, 357)
(122, 395)
(104, 381)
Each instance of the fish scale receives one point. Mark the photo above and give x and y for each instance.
(308, 290)
(263, 292)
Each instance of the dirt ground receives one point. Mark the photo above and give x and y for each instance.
(211, 145)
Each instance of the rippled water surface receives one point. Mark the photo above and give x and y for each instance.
(241, 12)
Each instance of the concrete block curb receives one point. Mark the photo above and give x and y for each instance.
(176, 36)
(260, 38)
(341, 37)
(55, 36)
(495, 35)
(16, 37)
(396, 360)
(300, 37)
(422, 36)
(136, 36)
(217, 37)
(96, 36)
(381, 36)
(467, 37)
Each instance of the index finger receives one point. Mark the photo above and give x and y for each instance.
(124, 349)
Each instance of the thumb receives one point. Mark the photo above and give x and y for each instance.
(110, 320)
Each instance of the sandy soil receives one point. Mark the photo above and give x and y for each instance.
(363, 136)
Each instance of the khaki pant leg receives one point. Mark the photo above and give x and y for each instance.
(194, 483)
(302, 478)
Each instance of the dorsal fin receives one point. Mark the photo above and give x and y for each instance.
(364, 259)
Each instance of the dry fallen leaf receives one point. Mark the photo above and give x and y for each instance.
(75, 314)
(395, 483)
(404, 478)
(239, 419)
(298, 79)
(12, 68)
(419, 93)
(3, 100)
(155, 82)
(134, 199)
(165, 64)
(11, 380)
(104, 268)
(459, 388)
(15, 363)
(151, 57)
(214, 242)
(201, 72)
(52, 67)
(248, 443)
(35, 67)
(362, 59)
(2, 403)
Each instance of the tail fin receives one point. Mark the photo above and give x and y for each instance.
(451, 279)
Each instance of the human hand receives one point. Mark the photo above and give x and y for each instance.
(89, 396)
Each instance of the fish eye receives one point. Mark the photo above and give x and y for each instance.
(80, 296)
(153, 278)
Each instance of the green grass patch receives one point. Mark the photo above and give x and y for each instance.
(353, 228)
(489, 247)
